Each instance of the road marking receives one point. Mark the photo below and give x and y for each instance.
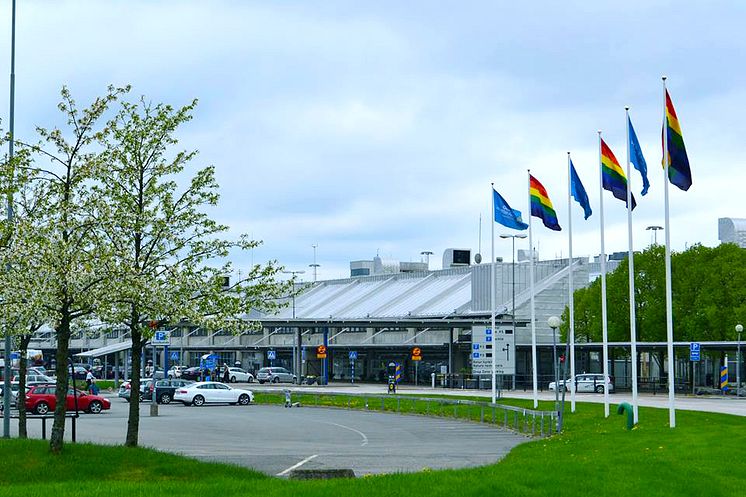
(294, 466)
(365, 438)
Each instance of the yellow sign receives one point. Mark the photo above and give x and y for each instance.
(416, 354)
(321, 352)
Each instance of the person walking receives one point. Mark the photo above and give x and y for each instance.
(89, 379)
(226, 373)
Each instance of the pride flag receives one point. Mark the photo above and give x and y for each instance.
(541, 206)
(612, 175)
(678, 163)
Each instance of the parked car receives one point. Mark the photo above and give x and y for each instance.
(146, 390)
(586, 382)
(165, 389)
(275, 375)
(175, 371)
(212, 392)
(35, 379)
(191, 373)
(41, 399)
(13, 395)
(238, 374)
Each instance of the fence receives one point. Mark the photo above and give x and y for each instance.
(521, 420)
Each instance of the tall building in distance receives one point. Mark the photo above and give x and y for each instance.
(732, 230)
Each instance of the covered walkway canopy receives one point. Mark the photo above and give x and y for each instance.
(107, 349)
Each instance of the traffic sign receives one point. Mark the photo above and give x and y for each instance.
(175, 355)
(321, 352)
(694, 351)
(484, 341)
(353, 355)
(271, 355)
(161, 337)
(416, 354)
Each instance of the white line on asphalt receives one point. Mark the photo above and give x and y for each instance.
(294, 466)
(365, 438)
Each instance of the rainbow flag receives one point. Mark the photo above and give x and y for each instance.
(541, 206)
(612, 175)
(678, 163)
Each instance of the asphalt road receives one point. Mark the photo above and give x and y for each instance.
(273, 439)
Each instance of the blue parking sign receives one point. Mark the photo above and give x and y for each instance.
(694, 349)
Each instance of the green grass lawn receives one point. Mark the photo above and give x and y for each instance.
(704, 455)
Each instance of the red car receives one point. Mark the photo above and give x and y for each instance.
(40, 399)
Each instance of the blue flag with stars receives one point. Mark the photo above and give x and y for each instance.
(636, 157)
(578, 192)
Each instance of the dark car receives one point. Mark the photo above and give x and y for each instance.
(164, 389)
(190, 374)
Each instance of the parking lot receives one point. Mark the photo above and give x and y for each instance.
(273, 439)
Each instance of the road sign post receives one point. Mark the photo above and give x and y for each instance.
(353, 358)
(416, 357)
(694, 351)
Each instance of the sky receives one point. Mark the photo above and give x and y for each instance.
(368, 128)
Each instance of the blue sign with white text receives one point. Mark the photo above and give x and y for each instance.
(694, 351)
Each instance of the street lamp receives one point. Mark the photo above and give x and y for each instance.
(297, 348)
(513, 237)
(314, 265)
(655, 232)
(427, 254)
(739, 330)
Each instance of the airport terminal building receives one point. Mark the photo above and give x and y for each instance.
(379, 316)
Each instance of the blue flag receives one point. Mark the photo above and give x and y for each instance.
(578, 192)
(636, 157)
(505, 215)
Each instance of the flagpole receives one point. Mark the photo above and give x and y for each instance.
(631, 258)
(669, 304)
(570, 286)
(493, 291)
(533, 309)
(605, 331)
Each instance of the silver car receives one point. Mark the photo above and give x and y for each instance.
(275, 375)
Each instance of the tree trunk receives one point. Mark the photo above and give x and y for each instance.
(23, 349)
(133, 421)
(57, 438)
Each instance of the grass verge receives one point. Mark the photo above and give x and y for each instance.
(594, 456)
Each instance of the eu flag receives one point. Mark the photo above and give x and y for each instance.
(578, 192)
(636, 157)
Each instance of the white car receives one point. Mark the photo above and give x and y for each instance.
(212, 392)
(238, 374)
(586, 382)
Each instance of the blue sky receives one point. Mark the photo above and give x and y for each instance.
(377, 127)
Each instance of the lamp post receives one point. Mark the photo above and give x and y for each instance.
(314, 265)
(427, 254)
(297, 349)
(739, 330)
(513, 237)
(655, 232)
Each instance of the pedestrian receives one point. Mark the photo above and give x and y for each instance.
(89, 379)
(226, 373)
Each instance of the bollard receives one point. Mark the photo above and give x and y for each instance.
(154, 409)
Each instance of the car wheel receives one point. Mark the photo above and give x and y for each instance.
(600, 389)
(165, 398)
(41, 408)
(295, 380)
(276, 379)
(95, 407)
(233, 379)
(261, 382)
(140, 397)
(244, 399)
(198, 400)
(251, 379)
